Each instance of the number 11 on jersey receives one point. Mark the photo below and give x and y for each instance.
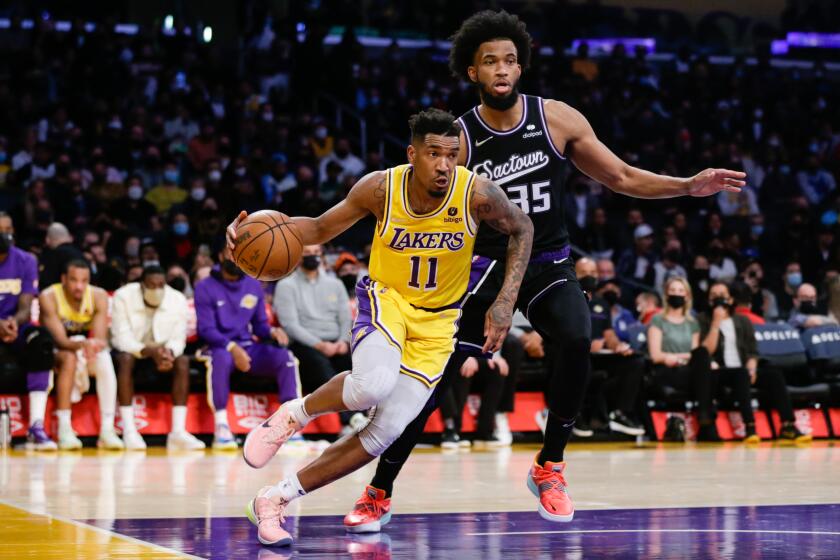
(431, 282)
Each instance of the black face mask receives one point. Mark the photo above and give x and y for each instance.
(178, 283)
(673, 256)
(311, 262)
(610, 296)
(6, 242)
(229, 267)
(808, 307)
(676, 302)
(349, 281)
(718, 302)
(588, 283)
(700, 274)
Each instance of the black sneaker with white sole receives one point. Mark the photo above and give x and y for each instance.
(450, 439)
(620, 422)
(582, 429)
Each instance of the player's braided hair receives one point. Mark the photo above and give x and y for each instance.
(486, 26)
(433, 121)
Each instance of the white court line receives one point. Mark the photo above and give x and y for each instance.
(595, 531)
(102, 531)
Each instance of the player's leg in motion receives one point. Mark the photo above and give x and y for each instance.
(561, 316)
(398, 399)
(372, 510)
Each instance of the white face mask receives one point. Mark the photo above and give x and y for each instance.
(135, 192)
(320, 133)
(198, 194)
(153, 297)
(215, 175)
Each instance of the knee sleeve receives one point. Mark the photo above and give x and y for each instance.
(39, 349)
(376, 366)
(393, 414)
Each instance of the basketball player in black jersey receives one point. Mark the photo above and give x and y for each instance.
(524, 144)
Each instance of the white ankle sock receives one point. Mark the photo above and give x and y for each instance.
(288, 489)
(221, 417)
(37, 406)
(63, 419)
(127, 415)
(298, 410)
(179, 418)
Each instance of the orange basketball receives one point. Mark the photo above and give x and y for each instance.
(268, 245)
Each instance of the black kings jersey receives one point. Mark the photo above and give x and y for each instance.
(526, 165)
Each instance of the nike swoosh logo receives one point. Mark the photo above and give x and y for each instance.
(561, 261)
(477, 143)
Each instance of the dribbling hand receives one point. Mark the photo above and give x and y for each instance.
(230, 232)
(496, 325)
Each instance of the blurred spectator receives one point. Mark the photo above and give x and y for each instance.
(680, 361)
(620, 318)
(648, 304)
(721, 266)
(148, 330)
(805, 313)
(134, 212)
(637, 264)
(742, 299)
(669, 265)
(763, 301)
(76, 316)
(730, 340)
(178, 279)
(20, 341)
(833, 290)
(349, 164)
(168, 193)
(791, 281)
(348, 269)
(613, 355)
(815, 181)
(606, 269)
(58, 252)
(232, 323)
(203, 147)
(278, 180)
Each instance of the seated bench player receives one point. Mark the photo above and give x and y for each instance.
(20, 340)
(232, 322)
(76, 315)
(149, 329)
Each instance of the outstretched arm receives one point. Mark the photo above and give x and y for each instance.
(490, 204)
(570, 128)
(366, 196)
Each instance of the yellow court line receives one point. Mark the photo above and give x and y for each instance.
(25, 534)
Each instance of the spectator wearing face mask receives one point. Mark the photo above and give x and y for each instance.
(762, 301)
(180, 243)
(680, 361)
(721, 267)
(611, 354)
(133, 211)
(742, 299)
(620, 318)
(232, 322)
(791, 280)
(178, 279)
(347, 269)
(698, 278)
(313, 308)
(148, 330)
(805, 313)
(321, 141)
(168, 193)
(730, 340)
(278, 180)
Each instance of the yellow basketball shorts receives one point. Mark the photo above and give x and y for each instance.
(425, 338)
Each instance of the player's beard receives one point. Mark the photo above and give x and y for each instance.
(496, 102)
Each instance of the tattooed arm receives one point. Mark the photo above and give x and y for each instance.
(490, 204)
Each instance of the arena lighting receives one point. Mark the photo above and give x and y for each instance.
(207, 34)
(605, 45)
(813, 40)
(168, 22)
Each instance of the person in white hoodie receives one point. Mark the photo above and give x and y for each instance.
(149, 324)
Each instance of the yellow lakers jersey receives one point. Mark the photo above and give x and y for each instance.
(75, 322)
(425, 257)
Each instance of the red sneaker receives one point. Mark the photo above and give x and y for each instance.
(371, 512)
(547, 483)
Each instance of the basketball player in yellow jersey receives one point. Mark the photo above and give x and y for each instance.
(76, 315)
(427, 216)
